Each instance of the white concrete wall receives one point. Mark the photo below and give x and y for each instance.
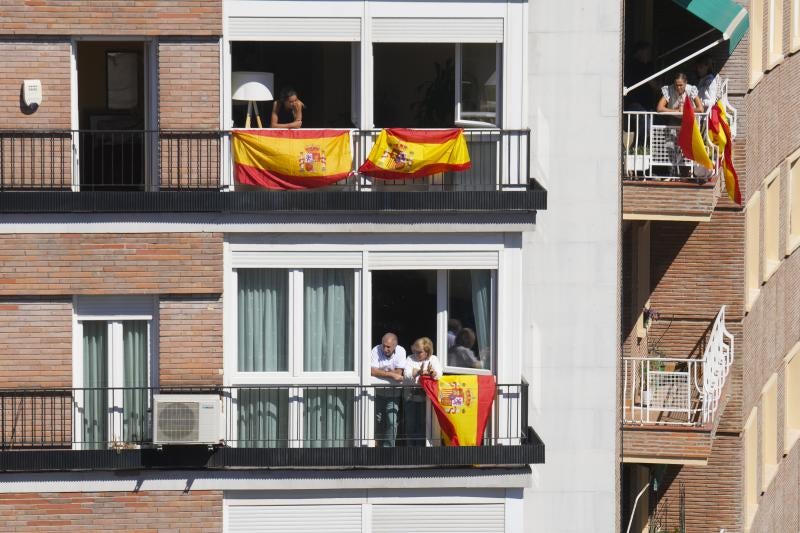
(570, 261)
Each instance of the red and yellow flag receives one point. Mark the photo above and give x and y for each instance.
(720, 133)
(291, 159)
(407, 154)
(462, 405)
(690, 139)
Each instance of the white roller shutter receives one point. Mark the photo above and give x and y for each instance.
(259, 259)
(436, 518)
(437, 30)
(444, 260)
(294, 518)
(294, 29)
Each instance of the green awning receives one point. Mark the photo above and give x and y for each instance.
(725, 15)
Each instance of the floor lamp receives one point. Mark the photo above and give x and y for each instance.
(252, 87)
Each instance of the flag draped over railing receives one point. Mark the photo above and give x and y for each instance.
(690, 139)
(720, 133)
(462, 405)
(406, 153)
(291, 159)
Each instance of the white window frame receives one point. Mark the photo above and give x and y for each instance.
(459, 65)
(379, 252)
(775, 34)
(113, 310)
(794, 27)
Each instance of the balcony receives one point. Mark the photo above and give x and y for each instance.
(679, 400)
(262, 427)
(658, 182)
(61, 171)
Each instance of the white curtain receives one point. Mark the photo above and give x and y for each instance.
(262, 335)
(263, 418)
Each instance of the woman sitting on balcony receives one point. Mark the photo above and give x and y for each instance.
(672, 96)
(421, 362)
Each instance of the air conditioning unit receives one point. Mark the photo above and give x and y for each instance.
(186, 419)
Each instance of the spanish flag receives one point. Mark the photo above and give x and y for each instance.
(462, 405)
(407, 154)
(291, 159)
(689, 137)
(720, 133)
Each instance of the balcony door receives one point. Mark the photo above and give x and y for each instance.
(112, 115)
(112, 375)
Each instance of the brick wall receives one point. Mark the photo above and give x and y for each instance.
(190, 334)
(111, 17)
(713, 492)
(36, 343)
(67, 264)
(174, 511)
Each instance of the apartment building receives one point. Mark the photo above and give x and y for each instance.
(183, 352)
(708, 290)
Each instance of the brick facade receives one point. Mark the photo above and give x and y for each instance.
(195, 511)
(190, 333)
(69, 264)
(111, 17)
(35, 343)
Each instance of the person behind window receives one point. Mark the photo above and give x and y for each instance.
(708, 82)
(420, 363)
(387, 361)
(453, 327)
(287, 110)
(637, 68)
(463, 351)
(672, 96)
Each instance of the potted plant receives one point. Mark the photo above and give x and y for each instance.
(638, 160)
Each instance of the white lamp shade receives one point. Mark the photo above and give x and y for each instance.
(252, 86)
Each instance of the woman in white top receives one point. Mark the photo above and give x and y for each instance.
(672, 96)
(708, 83)
(421, 362)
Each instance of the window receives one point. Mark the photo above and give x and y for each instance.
(775, 32)
(295, 326)
(793, 239)
(756, 42)
(752, 248)
(112, 370)
(794, 41)
(442, 84)
(321, 73)
(769, 431)
(750, 440)
(772, 225)
(791, 399)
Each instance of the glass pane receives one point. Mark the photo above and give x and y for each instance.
(328, 324)
(262, 326)
(479, 82)
(414, 85)
(263, 418)
(135, 397)
(328, 418)
(469, 333)
(404, 303)
(95, 380)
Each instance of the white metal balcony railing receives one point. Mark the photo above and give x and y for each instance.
(650, 145)
(675, 391)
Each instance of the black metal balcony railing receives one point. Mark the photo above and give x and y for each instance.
(172, 160)
(252, 416)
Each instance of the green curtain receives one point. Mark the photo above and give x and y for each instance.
(263, 418)
(135, 425)
(328, 320)
(262, 335)
(481, 308)
(328, 418)
(95, 376)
